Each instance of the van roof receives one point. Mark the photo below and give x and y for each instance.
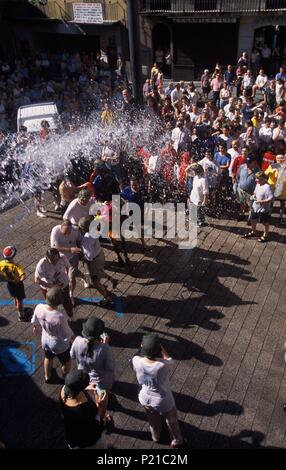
(37, 109)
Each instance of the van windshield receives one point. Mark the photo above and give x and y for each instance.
(34, 124)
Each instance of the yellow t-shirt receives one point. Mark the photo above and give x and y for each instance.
(272, 173)
(11, 272)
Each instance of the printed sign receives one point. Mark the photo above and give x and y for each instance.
(87, 12)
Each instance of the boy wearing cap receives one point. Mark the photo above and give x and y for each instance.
(14, 275)
(56, 333)
(261, 207)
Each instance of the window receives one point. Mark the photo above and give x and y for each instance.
(205, 5)
(275, 4)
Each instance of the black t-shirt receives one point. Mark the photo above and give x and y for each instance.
(82, 429)
(270, 97)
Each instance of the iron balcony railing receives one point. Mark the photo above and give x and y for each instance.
(211, 6)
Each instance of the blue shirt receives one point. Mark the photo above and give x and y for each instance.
(281, 76)
(247, 179)
(222, 159)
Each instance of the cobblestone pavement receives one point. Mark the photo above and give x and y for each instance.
(221, 312)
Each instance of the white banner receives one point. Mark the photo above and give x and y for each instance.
(87, 12)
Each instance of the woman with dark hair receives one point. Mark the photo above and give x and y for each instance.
(168, 110)
(152, 367)
(83, 413)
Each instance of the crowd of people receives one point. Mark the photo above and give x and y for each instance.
(220, 146)
(77, 82)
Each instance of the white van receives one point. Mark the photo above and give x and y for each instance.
(32, 115)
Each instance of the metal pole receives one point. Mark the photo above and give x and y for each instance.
(135, 49)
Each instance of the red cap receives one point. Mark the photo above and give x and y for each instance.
(9, 252)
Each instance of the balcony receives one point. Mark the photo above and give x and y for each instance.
(199, 7)
(61, 10)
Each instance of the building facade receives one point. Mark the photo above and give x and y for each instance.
(200, 33)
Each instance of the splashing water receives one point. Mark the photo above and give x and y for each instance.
(36, 166)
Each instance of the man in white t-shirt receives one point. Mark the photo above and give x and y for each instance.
(67, 240)
(261, 206)
(200, 191)
(79, 207)
(52, 270)
(260, 83)
(176, 94)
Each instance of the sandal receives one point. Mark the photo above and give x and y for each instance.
(250, 235)
(263, 239)
(109, 424)
(114, 283)
(105, 302)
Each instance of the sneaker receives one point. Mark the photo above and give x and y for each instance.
(42, 209)
(23, 318)
(58, 208)
(26, 315)
(41, 215)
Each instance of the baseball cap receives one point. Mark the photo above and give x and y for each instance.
(9, 252)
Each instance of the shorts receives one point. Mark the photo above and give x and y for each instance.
(73, 270)
(63, 357)
(96, 267)
(16, 290)
(260, 217)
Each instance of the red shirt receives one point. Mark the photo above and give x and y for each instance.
(238, 161)
(268, 159)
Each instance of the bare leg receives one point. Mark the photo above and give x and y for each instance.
(266, 230)
(48, 367)
(253, 226)
(19, 306)
(66, 368)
